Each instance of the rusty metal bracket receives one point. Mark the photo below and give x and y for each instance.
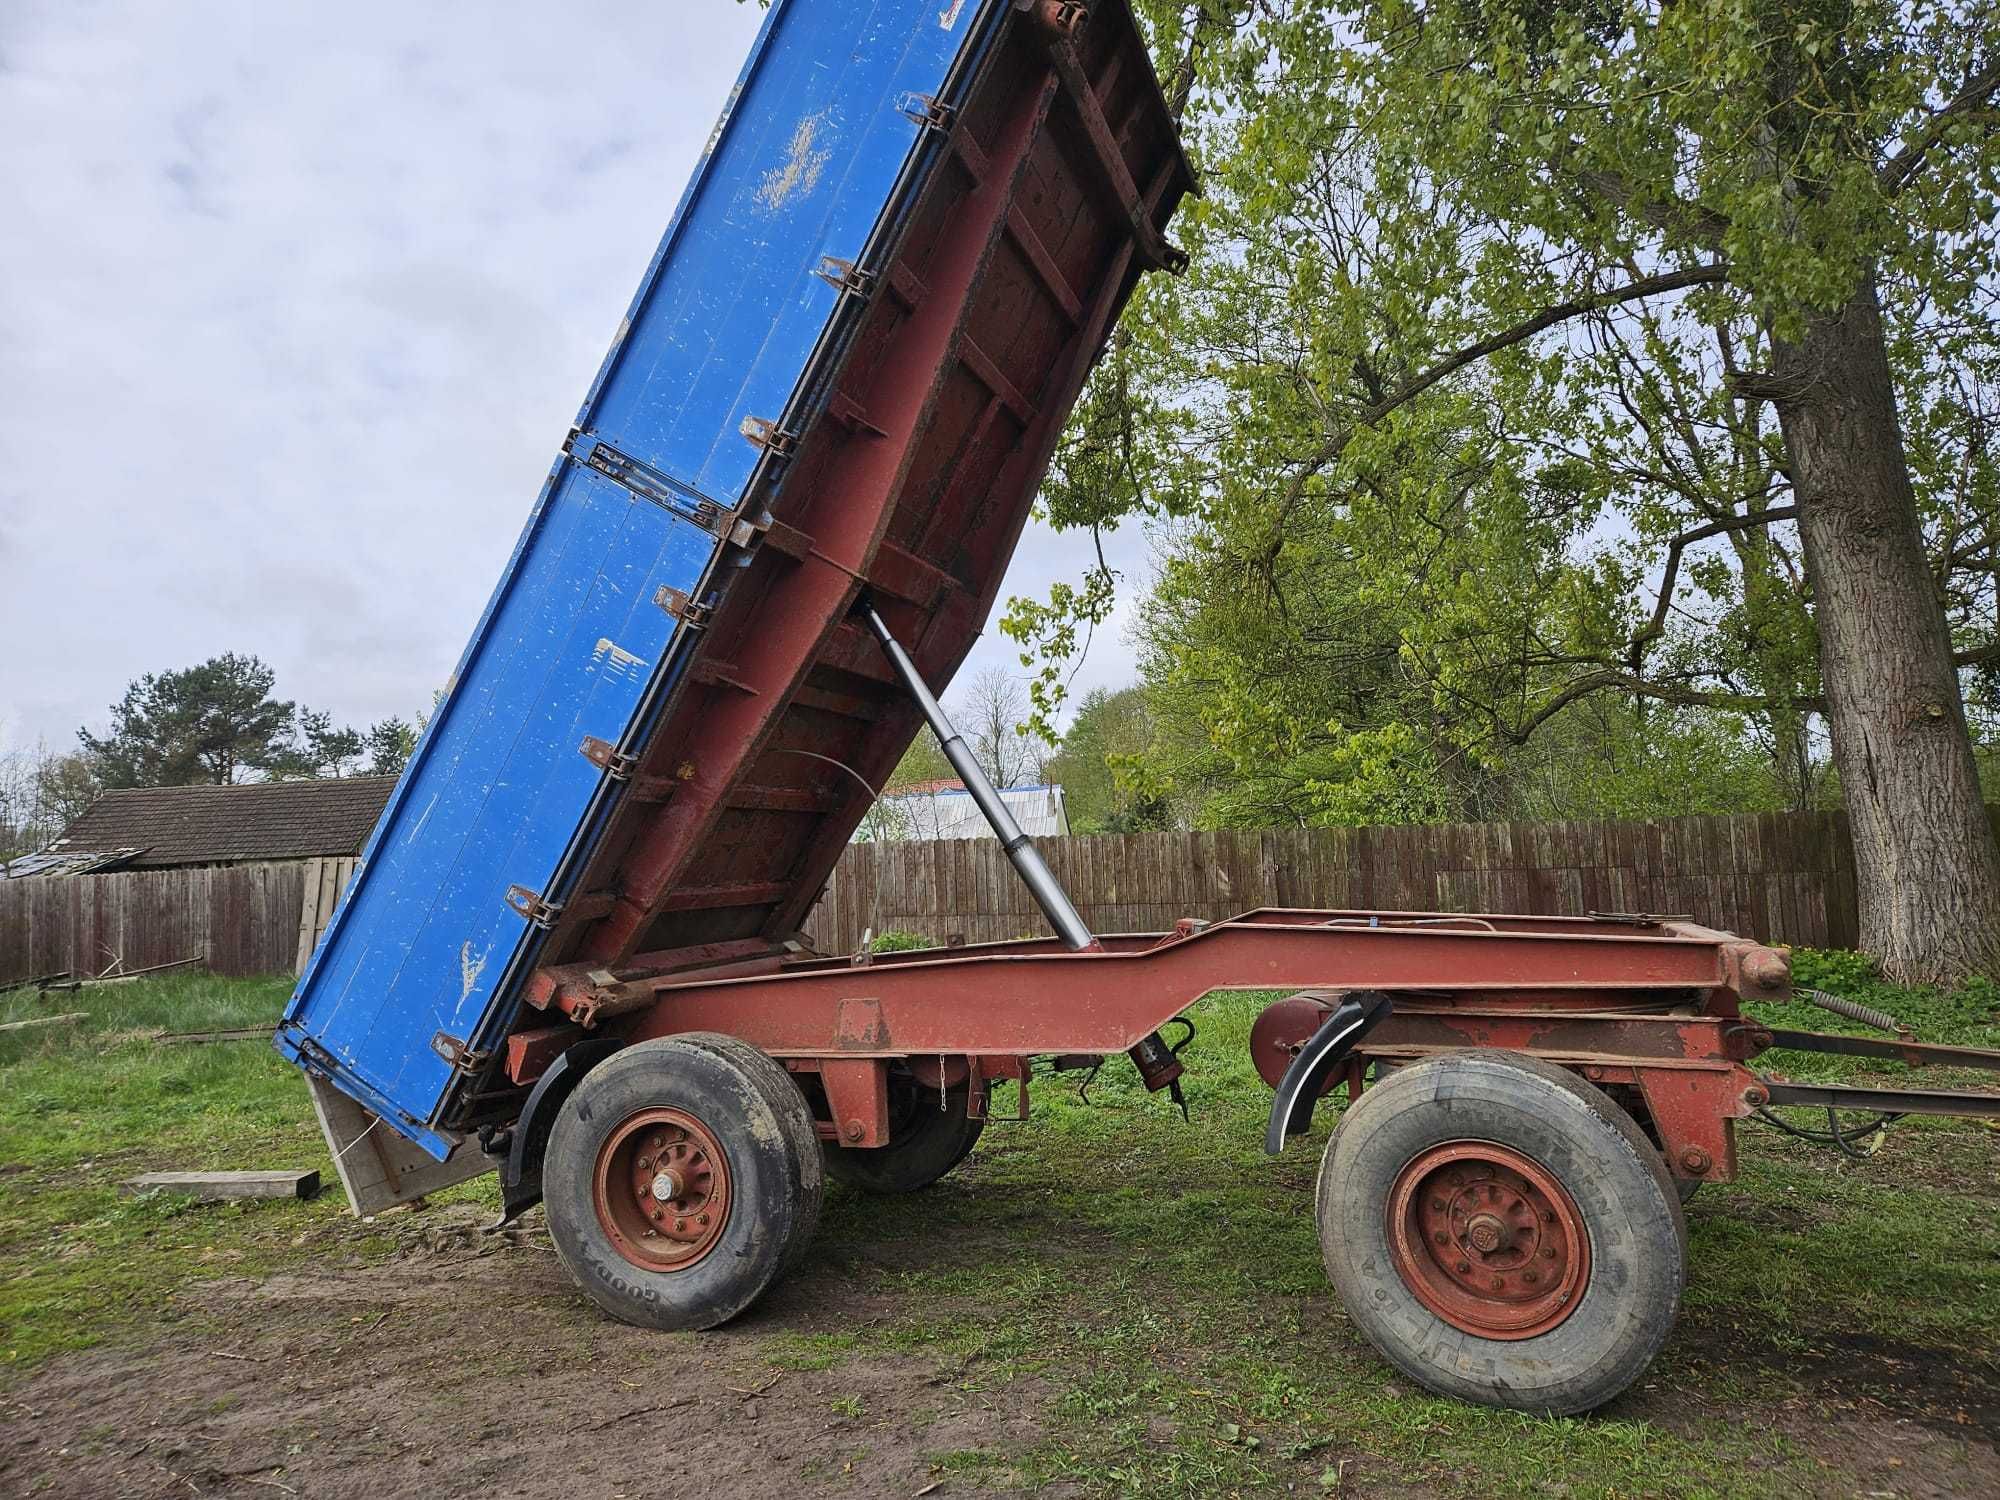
(531, 905)
(455, 1051)
(845, 277)
(928, 111)
(607, 757)
(768, 435)
(679, 606)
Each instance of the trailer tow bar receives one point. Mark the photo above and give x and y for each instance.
(1159, 1066)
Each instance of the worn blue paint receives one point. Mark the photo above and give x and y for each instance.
(813, 157)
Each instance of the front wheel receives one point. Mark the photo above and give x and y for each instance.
(1502, 1232)
(682, 1179)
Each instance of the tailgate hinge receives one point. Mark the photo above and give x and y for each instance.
(679, 606)
(531, 905)
(928, 111)
(454, 1051)
(607, 758)
(768, 435)
(845, 276)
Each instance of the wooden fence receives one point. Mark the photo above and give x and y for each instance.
(243, 919)
(1784, 877)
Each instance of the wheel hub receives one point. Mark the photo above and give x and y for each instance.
(662, 1189)
(1488, 1239)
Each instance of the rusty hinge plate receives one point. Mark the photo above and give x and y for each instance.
(531, 905)
(845, 277)
(768, 435)
(454, 1051)
(679, 606)
(607, 757)
(928, 111)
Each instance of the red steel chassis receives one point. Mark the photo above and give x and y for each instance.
(1649, 1009)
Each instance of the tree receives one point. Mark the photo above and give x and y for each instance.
(210, 723)
(1103, 766)
(219, 722)
(990, 714)
(390, 744)
(1546, 306)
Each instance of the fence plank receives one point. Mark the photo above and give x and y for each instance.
(1787, 877)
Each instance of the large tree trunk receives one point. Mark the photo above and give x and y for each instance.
(1926, 860)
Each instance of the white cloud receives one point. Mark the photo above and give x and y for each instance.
(296, 304)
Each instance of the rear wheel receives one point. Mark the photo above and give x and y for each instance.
(929, 1134)
(682, 1179)
(1502, 1232)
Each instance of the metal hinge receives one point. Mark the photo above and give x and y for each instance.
(649, 483)
(457, 1053)
(531, 905)
(928, 111)
(768, 435)
(679, 606)
(607, 757)
(845, 276)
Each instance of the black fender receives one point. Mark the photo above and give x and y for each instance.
(521, 1173)
(1358, 1013)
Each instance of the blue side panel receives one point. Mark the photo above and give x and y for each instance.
(812, 154)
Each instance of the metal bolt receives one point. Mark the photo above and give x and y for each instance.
(1438, 1204)
(1531, 1277)
(855, 1130)
(1499, 1284)
(680, 1226)
(1442, 1238)
(659, 1141)
(1464, 1268)
(1548, 1216)
(1695, 1160)
(1548, 1252)
(658, 1213)
(645, 1162)
(702, 1220)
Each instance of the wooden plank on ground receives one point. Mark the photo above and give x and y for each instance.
(218, 1187)
(68, 1019)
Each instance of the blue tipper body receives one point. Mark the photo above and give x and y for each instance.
(819, 147)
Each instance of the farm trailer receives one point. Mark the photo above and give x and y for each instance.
(571, 950)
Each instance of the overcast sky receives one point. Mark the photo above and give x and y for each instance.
(297, 301)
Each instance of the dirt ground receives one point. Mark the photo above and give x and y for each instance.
(466, 1369)
(467, 1365)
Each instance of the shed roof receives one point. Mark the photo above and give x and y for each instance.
(209, 825)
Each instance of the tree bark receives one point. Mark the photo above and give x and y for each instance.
(1927, 864)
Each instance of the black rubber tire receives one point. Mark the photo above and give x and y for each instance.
(751, 1106)
(1621, 1189)
(925, 1142)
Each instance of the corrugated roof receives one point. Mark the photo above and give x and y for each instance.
(70, 862)
(209, 825)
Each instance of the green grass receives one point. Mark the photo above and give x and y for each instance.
(1155, 1290)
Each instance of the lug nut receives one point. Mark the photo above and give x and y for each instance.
(1464, 1268)
(680, 1226)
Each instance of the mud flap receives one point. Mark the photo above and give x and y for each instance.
(1298, 1091)
(521, 1173)
(378, 1167)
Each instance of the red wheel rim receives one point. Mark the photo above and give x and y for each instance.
(1488, 1239)
(661, 1189)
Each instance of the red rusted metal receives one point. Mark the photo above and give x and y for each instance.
(1488, 1239)
(662, 1189)
(973, 343)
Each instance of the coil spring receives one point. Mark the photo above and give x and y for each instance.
(1854, 1010)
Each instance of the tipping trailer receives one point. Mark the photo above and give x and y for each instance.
(571, 950)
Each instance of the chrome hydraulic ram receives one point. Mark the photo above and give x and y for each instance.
(1156, 1061)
